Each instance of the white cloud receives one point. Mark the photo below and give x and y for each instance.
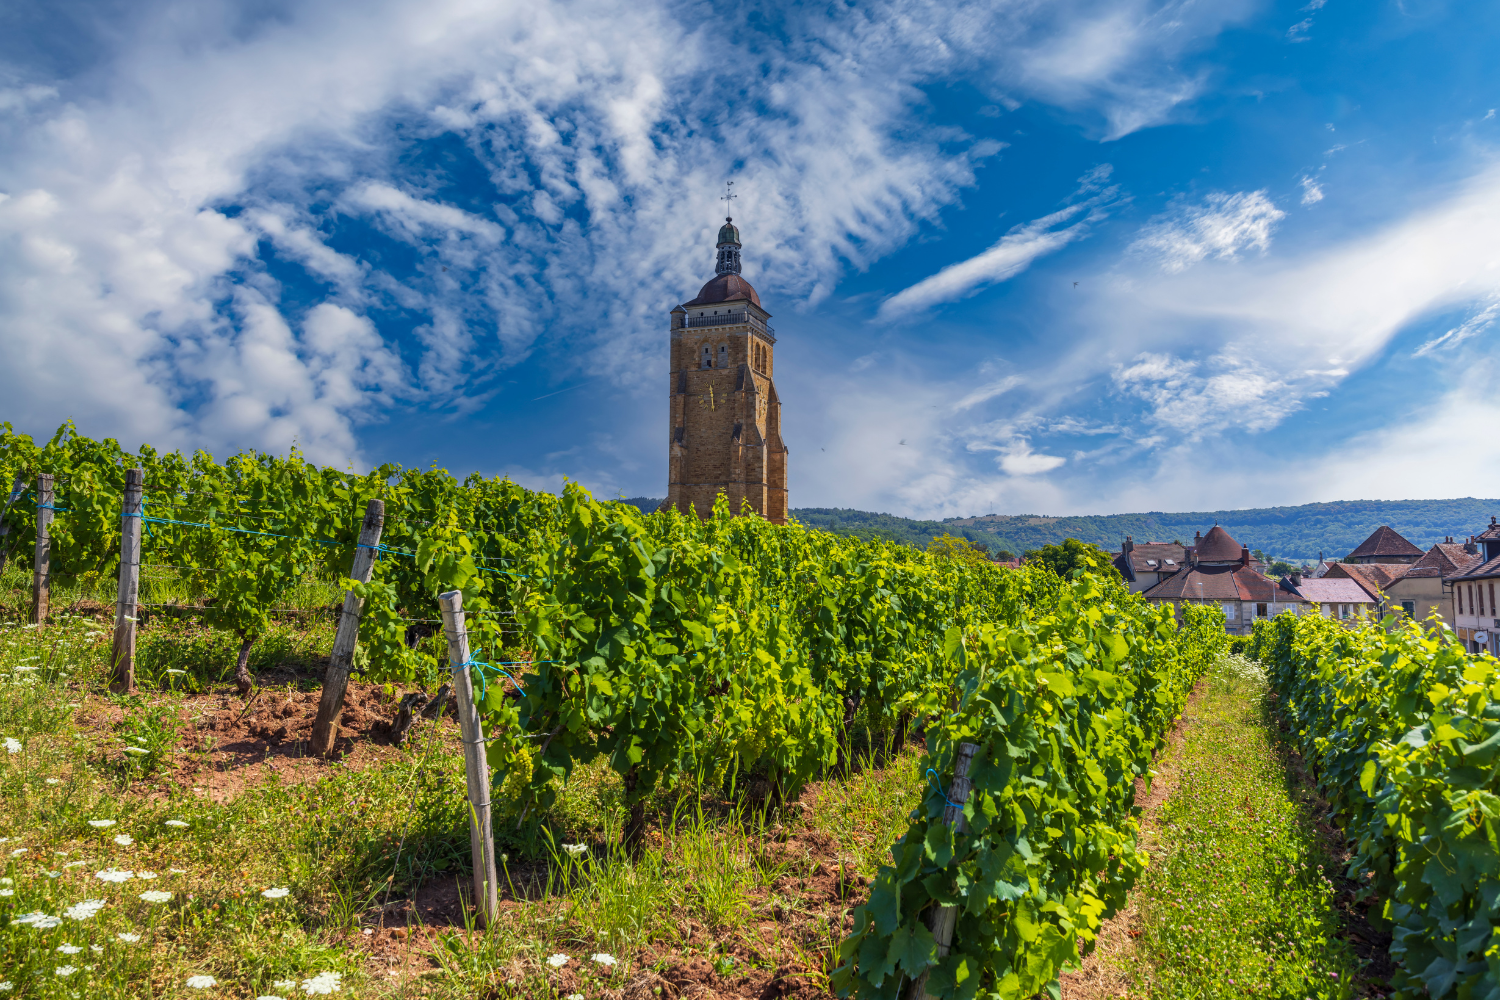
(1475, 324)
(1017, 459)
(1222, 226)
(1298, 32)
(1195, 398)
(1011, 255)
(1312, 191)
(989, 391)
(138, 197)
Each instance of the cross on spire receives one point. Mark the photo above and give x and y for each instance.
(729, 196)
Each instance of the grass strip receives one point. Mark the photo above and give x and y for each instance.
(1240, 899)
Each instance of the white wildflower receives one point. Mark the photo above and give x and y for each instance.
(96, 949)
(52, 874)
(145, 874)
(39, 920)
(128, 937)
(156, 896)
(84, 910)
(69, 949)
(7, 986)
(137, 750)
(124, 839)
(54, 781)
(575, 996)
(175, 822)
(12, 744)
(285, 984)
(101, 823)
(65, 971)
(276, 893)
(114, 875)
(270, 996)
(75, 864)
(557, 961)
(575, 849)
(323, 982)
(201, 982)
(604, 958)
(7, 881)
(7, 892)
(18, 852)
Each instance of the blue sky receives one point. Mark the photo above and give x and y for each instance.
(1074, 257)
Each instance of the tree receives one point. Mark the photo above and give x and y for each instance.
(1073, 554)
(1281, 568)
(946, 546)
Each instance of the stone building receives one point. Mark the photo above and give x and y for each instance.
(1218, 570)
(725, 417)
(1399, 577)
(1476, 615)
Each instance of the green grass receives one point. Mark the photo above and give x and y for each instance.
(1239, 899)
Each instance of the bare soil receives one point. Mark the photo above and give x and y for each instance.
(229, 743)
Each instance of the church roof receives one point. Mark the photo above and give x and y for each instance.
(724, 288)
(729, 232)
(1384, 541)
(1218, 546)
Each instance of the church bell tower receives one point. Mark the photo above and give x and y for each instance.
(725, 425)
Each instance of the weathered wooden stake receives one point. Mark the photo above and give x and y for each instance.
(476, 768)
(336, 681)
(10, 499)
(123, 678)
(944, 918)
(41, 571)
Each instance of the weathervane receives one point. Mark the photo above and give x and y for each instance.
(729, 196)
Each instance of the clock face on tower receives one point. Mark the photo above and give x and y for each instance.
(724, 434)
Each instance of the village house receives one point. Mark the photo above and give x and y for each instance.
(1216, 569)
(1399, 577)
(1334, 597)
(1476, 617)
(1145, 565)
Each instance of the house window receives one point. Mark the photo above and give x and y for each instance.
(1229, 611)
(1492, 598)
(723, 355)
(1459, 593)
(1260, 610)
(1409, 608)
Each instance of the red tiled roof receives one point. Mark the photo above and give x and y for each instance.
(1479, 570)
(1217, 546)
(1334, 590)
(724, 288)
(1374, 577)
(1151, 557)
(1218, 583)
(1384, 541)
(1443, 559)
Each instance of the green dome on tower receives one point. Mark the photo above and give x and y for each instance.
(727, 233)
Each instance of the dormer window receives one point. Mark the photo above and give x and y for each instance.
(1171, 562)
(1151, 562)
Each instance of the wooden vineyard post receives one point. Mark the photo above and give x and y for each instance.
(476, 768)
(944, 918)
(122, 680)
(336, 681)
(41, 571)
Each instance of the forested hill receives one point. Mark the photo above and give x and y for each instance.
(1299, 532)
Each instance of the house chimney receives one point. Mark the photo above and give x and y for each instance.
(1244, 555)
(1296, 579)
(1128, 546)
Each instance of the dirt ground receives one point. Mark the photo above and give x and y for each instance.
(229, 745)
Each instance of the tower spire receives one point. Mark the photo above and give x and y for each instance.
(729, 237)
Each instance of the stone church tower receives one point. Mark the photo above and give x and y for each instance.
(725, 425)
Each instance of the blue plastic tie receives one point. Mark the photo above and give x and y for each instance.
(939, 789)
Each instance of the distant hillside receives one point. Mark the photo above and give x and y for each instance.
(1299, 532)
(864, 524)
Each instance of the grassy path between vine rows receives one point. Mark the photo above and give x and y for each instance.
(1245, 896)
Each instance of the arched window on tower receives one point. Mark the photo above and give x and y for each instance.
(723, 355)
(708, 358)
